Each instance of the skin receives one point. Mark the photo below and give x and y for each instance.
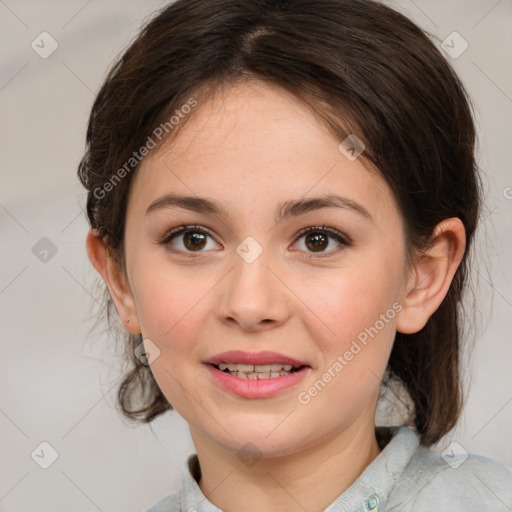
(250, 149)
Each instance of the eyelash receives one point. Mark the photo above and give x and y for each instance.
(175, 232)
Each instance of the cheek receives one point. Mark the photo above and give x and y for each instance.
(359, 312)
(354, 303)
(168, 302)
(170, 305)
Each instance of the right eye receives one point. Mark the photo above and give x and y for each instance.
(189, 239)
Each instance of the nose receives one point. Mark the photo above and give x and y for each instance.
(254, 296)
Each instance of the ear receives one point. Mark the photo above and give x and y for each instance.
(432, 275)
(115, 279)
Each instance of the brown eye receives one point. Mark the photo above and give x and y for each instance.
(187, 239)
(317, 242)
(318, 239)
(194, 241)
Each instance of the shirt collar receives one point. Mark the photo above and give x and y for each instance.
(369, 493)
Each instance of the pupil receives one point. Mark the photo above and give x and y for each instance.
(194, 238)
(318, 240)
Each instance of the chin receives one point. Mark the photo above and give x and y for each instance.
(266, 437)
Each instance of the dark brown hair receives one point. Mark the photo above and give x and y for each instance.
(362, 68)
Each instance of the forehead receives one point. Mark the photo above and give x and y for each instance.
(256, 145)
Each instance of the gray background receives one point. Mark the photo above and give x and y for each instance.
(57, 384)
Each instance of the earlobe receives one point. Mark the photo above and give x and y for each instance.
(115, 281)
(432, 275)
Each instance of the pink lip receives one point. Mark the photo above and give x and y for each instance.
(265, 357)
(256, 388)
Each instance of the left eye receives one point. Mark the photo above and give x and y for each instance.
(318, 239)
(194, 239)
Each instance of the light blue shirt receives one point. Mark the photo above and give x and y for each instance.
(404, 477)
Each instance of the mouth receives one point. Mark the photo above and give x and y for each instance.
(257, 371)
(256, 374)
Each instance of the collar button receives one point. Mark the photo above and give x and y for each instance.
(372, 503)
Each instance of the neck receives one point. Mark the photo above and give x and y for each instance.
(310, 479)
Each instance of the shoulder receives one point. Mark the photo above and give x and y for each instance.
(452, 482)
(170, 503)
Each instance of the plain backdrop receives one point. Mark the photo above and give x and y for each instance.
(58, 385)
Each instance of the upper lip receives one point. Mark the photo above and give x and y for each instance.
(265, 357)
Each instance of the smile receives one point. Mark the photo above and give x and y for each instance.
(258, 371)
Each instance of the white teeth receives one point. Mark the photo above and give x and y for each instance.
(260, 375)
(258, 368)
(258, 371)
(246, 368)
(261, 367)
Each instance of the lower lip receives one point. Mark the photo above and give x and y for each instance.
(256, 388)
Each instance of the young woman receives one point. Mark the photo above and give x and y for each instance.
(282, 199)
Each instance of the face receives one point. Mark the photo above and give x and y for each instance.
(246, 277)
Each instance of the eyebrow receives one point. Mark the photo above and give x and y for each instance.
(290, 208)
